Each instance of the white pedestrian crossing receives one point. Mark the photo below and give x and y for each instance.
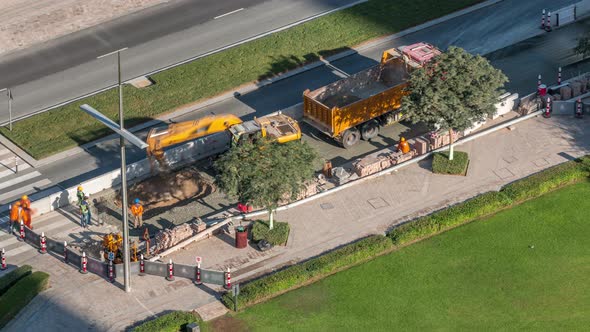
(17, 177)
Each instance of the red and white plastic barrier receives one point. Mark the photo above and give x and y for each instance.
(547, 113)
(3, 255)
(43, 244)
(170, 276)
(141, 265)
(228, 279)
(84, 264)
(22, 231)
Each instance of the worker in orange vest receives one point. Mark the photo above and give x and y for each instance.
(403, 146)
(14, 214)
(137, 211)
(25, 211)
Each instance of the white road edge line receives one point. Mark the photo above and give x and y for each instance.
(226, 14)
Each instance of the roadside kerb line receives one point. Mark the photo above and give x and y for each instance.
(228, 13)
(250, 87)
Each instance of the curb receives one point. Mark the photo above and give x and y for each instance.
(253, 86)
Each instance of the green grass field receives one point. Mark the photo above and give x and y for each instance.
(67, 126)
(525, 268)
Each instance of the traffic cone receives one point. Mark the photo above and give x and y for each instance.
(22, 231)
(65, 251)
(84, 263)
(228, 279)
(43, 249)
(198, 279)
(543, 20)
(3, 255)
(141, 265)
(548, 26)
(111, 272)
(579, 113)
(170, 276)
(559, 76)
(547, 113)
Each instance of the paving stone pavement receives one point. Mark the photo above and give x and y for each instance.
(86, 302)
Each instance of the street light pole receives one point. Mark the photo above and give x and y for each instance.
(9, 95)
(123, 175)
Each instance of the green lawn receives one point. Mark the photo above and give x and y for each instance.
(525, 268)
(65, 127)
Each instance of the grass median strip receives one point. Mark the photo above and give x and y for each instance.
(67, 126)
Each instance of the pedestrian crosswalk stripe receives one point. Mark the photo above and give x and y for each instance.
(25, 189)
(19, 250)
(8, 242)
(19, 179)
(10, 171)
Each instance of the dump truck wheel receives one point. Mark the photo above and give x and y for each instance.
(350, 137)
(370, 130)
(388, 119)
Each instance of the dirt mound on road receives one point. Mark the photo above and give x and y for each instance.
(166, 190)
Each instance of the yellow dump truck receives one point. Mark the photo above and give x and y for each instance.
(357, 106)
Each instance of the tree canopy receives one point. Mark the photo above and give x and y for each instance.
(263, 173)
(583, 46)
(453, 91)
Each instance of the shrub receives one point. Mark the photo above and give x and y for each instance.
(442, 165)
(277, 236)
(548, 180)
(19, 295)
(13, 277)
(172, 322)
(311, 270)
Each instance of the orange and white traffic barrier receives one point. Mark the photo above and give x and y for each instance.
(170, 276)
(141, 265)
(543, 20)
(228, 279)
(65, 251)
(22, 231)
(579, 112)
(43, 244)
(547, 113)
(83, 267)
(111, 272)
(3, 255)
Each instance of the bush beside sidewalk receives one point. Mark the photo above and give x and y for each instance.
(67, 126)
(18, 288)
(489, 203)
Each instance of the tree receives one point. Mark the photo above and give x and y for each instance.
(263, 172)
(453, 91)
(583, 47)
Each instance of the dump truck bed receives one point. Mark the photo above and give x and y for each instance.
(365, 95)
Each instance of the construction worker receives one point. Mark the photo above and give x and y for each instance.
(25, 211)
(14, 214)
(80, 195)
(85, 213)
(137, 211)
(403, 146)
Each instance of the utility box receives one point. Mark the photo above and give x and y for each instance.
(193, 327)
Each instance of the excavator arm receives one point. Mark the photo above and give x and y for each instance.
(177, 133)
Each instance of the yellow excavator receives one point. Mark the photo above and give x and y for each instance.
(277, 127)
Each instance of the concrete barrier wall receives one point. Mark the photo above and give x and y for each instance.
(559, 107)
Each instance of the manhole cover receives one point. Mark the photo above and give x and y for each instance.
(378, 203)
(326, 206)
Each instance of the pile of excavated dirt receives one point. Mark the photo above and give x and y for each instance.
(166, 190)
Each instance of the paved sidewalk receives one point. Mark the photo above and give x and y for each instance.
(85, 302)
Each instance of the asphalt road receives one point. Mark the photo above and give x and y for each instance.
(540, 53)
(66, 68)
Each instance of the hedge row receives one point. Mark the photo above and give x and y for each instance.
(19, 295)
(172, 322)
(493, 201)
(13, 277)
(300, 274)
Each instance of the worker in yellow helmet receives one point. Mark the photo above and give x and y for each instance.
(403, 146)
(80, 195)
